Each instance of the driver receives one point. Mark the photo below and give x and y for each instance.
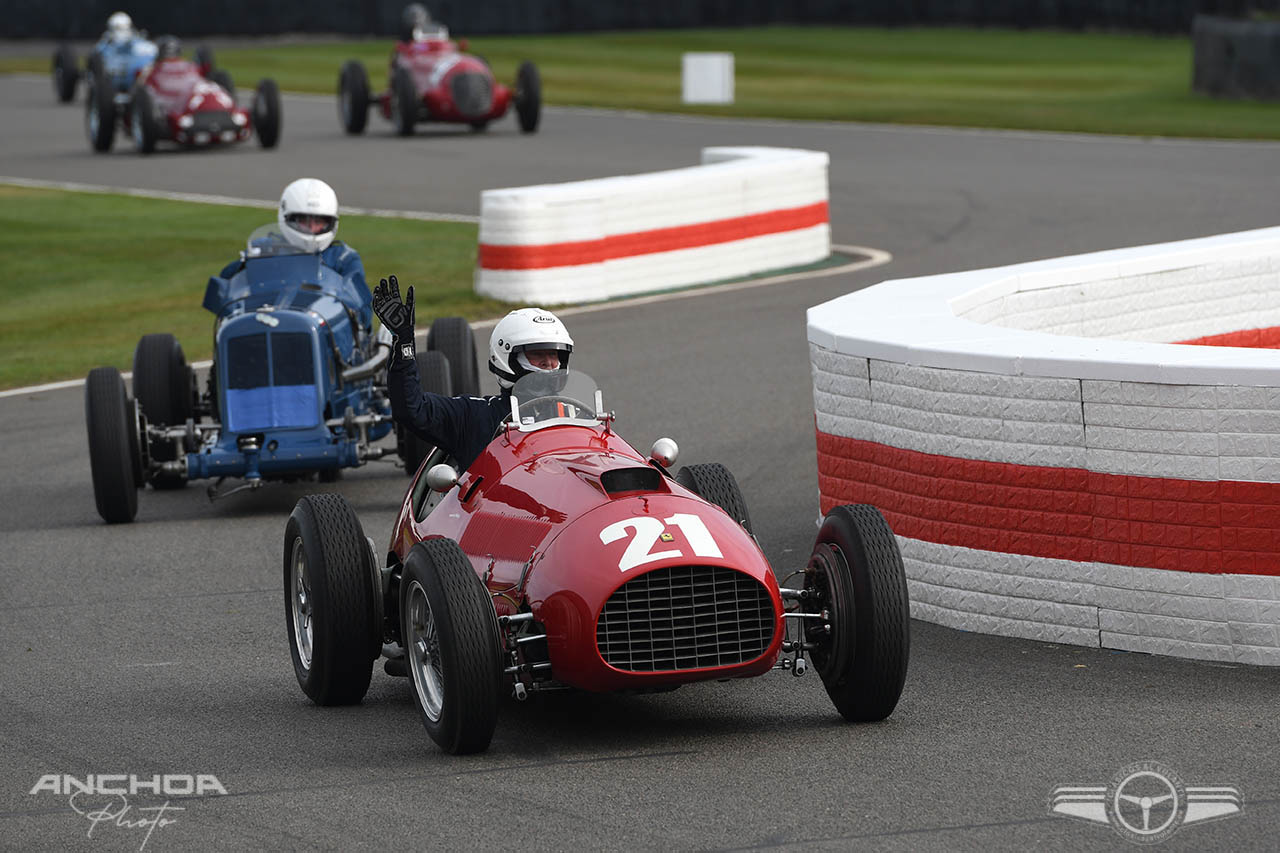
(308, 219)
(528, 340)
(119, 30)
(414, 21)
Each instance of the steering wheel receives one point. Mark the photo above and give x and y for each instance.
(553, 406)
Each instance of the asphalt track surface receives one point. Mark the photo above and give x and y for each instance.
(160, 646)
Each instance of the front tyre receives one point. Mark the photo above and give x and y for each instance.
(714, 483)
(163, 385)
(331, 611)
(65, 73)
(100, 113)
(353, 97)
(266, 113)
(856, 573)
(113, 452)
(142, 120)
(528, 96)
(404, 101)
(450, 635)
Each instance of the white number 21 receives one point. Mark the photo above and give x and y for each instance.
(648, 530)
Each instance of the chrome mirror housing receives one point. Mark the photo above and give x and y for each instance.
(442, 477)
(664, 452)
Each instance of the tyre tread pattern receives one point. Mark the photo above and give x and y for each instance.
(453, 337)
(716, 484)
(871, 689)
(343, 609)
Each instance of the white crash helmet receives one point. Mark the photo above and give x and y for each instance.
(522, 330)
(300, 204)
(119, 28)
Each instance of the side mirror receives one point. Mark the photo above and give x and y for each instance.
(664, 452)
(441, 477)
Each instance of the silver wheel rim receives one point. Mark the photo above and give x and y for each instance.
(424, 653)
(300, 604)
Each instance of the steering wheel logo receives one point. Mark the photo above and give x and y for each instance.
(1147, 802)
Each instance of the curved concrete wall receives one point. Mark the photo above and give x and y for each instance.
(743, 211)
(1055, 465)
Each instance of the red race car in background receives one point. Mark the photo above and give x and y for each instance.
(186, 102)
(433, 79)
(563, 558)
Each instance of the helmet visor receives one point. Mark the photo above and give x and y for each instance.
(311, 223)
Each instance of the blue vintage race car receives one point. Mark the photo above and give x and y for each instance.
(297, 387)
(116, 63)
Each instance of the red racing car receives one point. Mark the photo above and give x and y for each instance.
(173, 99)
(433, 79)
(563, 558)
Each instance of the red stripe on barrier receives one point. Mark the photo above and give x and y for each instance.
(497, 257)
(1255, 338)
(1063, 513)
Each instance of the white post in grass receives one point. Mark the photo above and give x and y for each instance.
(708, 78)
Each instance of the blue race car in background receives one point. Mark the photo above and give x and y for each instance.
(117, 62)
(297, 387)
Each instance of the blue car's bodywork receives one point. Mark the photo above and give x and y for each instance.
(298, 381)
(122, 62)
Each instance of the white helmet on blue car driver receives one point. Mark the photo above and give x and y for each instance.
(309, 214)
(525, 330)
(119, 28)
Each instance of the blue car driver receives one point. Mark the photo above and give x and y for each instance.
(308, 219)
(527, 340)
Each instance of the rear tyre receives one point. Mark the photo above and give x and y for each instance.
(528, 96)
(109, 416)
(450, 636)
(404, 101)
(714, 483)
(142, 120)
(331, 611)
(222, 77)
(163, 385)
(453, 337)
(353, 97)
(266, 113)
(856, 573)
(65, 73)
(100, 112)
(434, 376)
(204, 58)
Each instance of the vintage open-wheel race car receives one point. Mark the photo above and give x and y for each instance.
(563, 558)
(432, 79)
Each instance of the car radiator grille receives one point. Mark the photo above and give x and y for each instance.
(211, 121)
(686, 617)
(472, 93)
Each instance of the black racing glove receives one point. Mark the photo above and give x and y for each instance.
(396, 315)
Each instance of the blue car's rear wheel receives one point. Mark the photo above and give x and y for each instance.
(332, 600)
(65, 73)
(434, 376)
(453, 337)
(100, 112)
(450, 634)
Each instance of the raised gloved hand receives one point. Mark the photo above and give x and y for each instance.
(396, 314)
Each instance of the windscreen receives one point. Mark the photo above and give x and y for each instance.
(555, 397)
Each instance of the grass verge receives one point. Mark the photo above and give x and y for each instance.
(87, 274)
(1031, 80)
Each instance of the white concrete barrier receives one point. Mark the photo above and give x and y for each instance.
(1055, 459)
(743, 211)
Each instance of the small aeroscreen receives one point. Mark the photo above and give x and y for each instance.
(247, 362)
(291, 358)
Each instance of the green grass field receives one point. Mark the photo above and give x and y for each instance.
(89, 274)
(1030, 80)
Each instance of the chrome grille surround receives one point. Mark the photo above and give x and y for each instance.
(686, 617)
